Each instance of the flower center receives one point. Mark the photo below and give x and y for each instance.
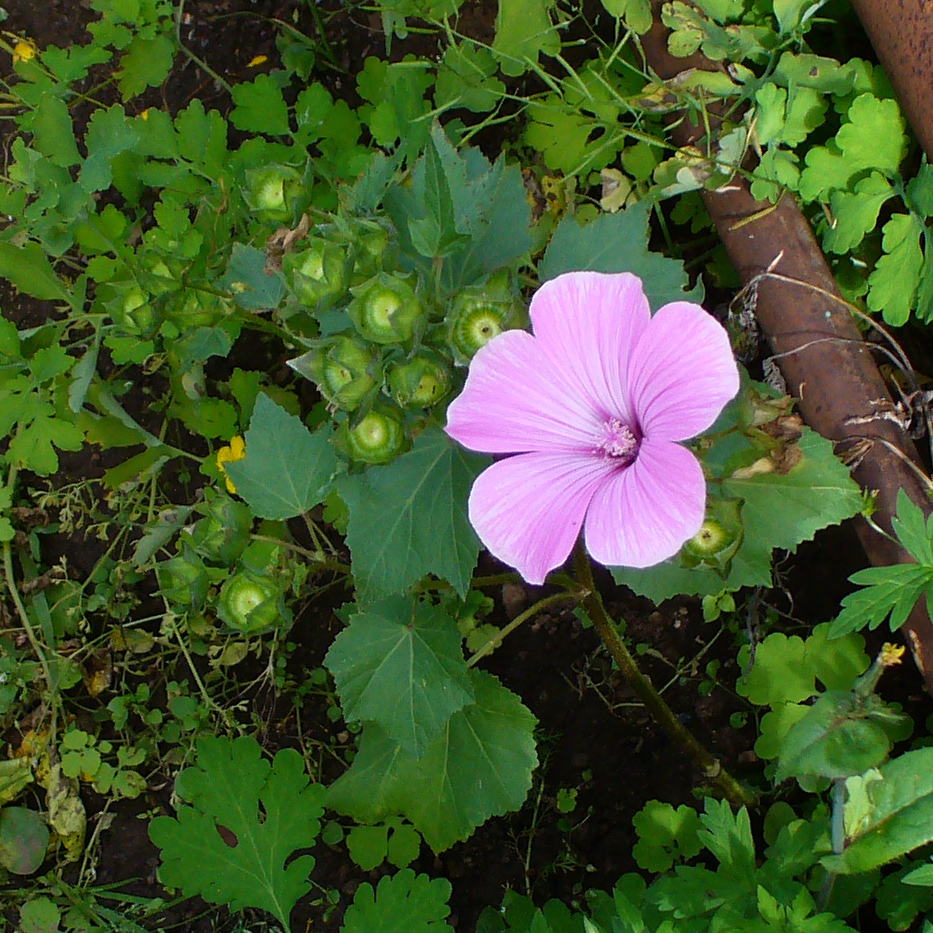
(617, 441)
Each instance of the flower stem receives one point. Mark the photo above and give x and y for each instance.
(711, 767)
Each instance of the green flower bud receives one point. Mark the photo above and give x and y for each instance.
(251, 603)
(385, 309)
(136, 314)
(223, 533)
(371, 245)
(477, 315)
(183, 581)
(341, 368)
(316, 274)
(378, 438)
(419, 383)
(190, 309)
(275, 193)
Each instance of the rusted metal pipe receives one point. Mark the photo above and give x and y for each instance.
(901, 32)
(828, 368)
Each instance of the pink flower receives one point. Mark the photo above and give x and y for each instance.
(592, 406)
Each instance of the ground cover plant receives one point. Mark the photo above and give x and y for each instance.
(335, 385)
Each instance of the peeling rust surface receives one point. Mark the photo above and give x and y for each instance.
(828, 368)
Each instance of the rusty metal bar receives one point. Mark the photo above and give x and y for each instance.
(829, 369)
(901, 32)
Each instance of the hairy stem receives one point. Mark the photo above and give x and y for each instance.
(711, 767)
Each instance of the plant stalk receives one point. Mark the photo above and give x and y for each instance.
(711, 767)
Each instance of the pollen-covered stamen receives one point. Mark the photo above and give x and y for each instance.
(617, 441)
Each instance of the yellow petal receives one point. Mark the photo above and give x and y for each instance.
(258, 60)
(24, 51)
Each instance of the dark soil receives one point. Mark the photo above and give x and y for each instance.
(594, 738)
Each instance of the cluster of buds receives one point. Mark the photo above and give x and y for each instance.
(383, 346)
(217, 550)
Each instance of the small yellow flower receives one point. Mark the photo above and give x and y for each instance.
(235, 451)
(25, 50)
(891, 654)
(145, 114)
(258, 60)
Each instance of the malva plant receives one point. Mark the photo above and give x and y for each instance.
(390, 264)
(592, 408)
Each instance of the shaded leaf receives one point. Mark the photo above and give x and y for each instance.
(480, 766)
(267, 810)
(287, 469)
(409, 518)
(403, 903)
(401, 664)
(889, 812)
(618, 243)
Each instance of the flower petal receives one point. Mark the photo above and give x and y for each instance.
(682, 373)
(589, 323)
(527, 510)
(643, 514)
(516, 400)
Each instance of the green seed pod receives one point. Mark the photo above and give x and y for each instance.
(719, 537)
(316, 273)
(478, 314)
(385, 309)
(342, 370)
(223, 533)
(251, 603)
(275, 193)
(183, 581)
(378, 438)
(419, 383)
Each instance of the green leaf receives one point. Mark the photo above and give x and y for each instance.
(403, 903)
(30, 271)
(618, 243)
(465, 79)
(889, 812)
(635, 13)
(887, 591)
(480, 766)
(145, 63)
(33, 446)
(855, 213)
(787, 117)
(287, 469)
(728, 836)
(53, 132)
(266, 811)
(786, 668)
(665, 835)
(398, 111)
(24, 837)
(260, 107)
(894, 281)
(202, 138)
(835, 739)
(788, 13)
(246, 278)
(873, 138)
(109, 133)
(409, 518)
(439, 174)
(779, 510)
(913, 530)
(400, 664)
(523, 31)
